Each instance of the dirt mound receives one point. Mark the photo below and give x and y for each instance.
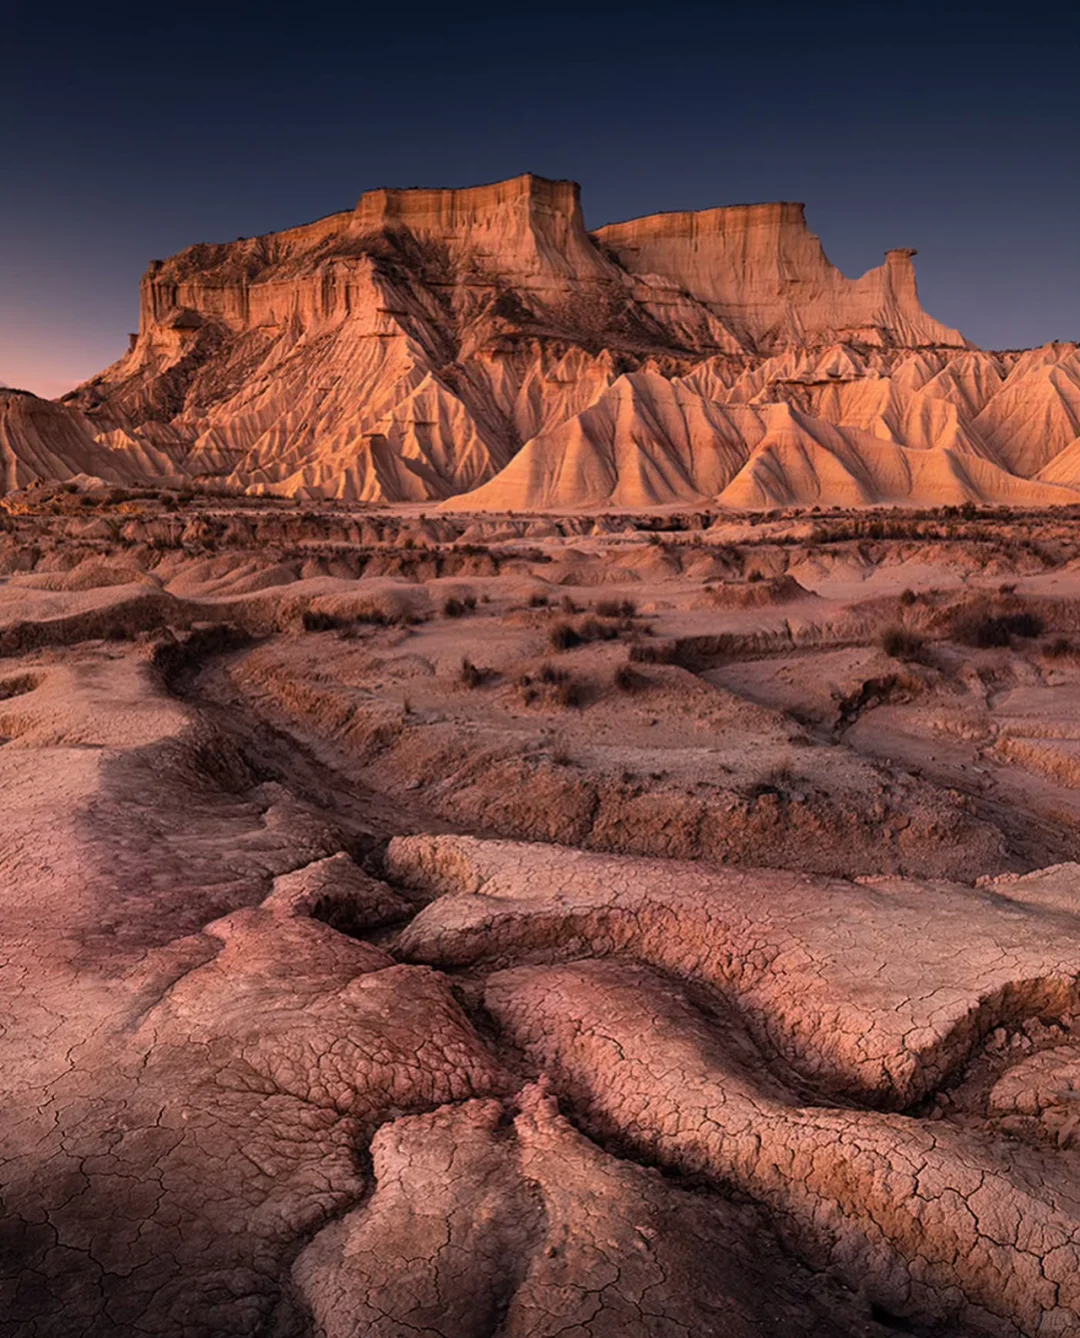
(759, 593)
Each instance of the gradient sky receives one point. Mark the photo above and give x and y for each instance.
(128, 132)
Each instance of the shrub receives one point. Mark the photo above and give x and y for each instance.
(470, 675)
(616, 608)
(564, 637)
(907, 598)
(1025, 625)
(625, 680)
(538, 600)
(569, 693)
(592, 629)
(901, 643)
(1061, 648)
(754, 576)
(567, 605)
(316, 620)
(985, 630)
(658, 652)
(457, 608)
(777, 780)
(548, 673)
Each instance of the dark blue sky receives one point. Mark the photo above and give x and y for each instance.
(128, 132)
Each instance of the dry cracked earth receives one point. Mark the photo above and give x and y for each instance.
(637, 926)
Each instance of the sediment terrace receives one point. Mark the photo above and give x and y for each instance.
(635, 925)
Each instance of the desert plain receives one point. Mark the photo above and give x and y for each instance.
(540, 796)
(644, 924)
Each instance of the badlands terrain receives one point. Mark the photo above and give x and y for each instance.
(607, 927)
(540, 796)
(479, 349)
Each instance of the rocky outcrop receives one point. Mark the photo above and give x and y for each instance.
(764, 274)
(482, 348)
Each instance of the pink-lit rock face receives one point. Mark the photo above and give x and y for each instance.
(481, 348)
(761, 271)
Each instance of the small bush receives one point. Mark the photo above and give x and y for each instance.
(616, 608)
(457, 608)
(1061, 648)
(567, 605)
(538, 600)
(754, 576)
(316, 620)
(592, 629)
(901, 643)
(1025, 625)
(564, 637)
(548, 674)
(569, 693)
(907, 598)
(986, 630)
(625, 680)
(777, 780)
(470, 675)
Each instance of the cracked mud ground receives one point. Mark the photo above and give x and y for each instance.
(710, 968)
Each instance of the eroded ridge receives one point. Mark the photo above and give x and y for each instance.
(921, 1218)
(487, 1221)
(193, 1058)
(812, 962)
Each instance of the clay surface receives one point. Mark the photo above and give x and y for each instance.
(482, 927)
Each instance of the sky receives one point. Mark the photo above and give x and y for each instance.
(128, 132)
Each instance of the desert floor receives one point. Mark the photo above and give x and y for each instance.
(589, 926)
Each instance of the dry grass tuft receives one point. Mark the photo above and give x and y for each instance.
(471, 675)
(626, 680)
(984, 630)
(458, 608)
(901, 643)
(616, 608)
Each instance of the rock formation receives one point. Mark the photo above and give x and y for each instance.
(480, 347)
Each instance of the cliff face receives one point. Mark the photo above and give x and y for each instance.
(764, 274)
(410, 348)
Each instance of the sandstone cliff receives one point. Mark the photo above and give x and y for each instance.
(482, 348)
